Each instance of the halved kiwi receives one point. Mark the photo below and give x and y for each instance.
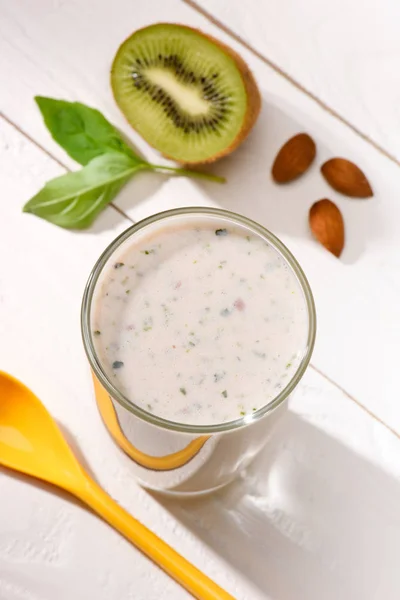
(187, 94)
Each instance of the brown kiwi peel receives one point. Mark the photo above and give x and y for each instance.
(252, 93)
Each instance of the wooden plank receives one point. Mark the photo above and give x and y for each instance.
(345, 54)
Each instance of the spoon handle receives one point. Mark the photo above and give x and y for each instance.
(177, 567)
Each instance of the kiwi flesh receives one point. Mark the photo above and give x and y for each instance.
(188, 95)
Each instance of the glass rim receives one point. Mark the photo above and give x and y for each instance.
(151, 417)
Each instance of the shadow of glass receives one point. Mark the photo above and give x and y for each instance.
(309, 520)
(283, 209)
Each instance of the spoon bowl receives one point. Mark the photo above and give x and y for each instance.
(31, 443)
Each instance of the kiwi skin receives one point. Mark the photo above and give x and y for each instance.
(252, 93)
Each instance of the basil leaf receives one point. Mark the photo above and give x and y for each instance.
(74, 200)
(83, 132)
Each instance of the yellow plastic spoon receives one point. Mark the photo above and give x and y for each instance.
(31, 443)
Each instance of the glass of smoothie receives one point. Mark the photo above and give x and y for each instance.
(198, 324)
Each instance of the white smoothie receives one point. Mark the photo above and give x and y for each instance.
(202, 322)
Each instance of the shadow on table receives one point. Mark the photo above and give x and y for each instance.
(310, 520)
(283, 209)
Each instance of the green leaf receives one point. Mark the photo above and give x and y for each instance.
(74, 200)
(83, 132)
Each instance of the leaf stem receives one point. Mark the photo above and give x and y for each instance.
(189, 173)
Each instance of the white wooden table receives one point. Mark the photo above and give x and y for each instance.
(317, 517)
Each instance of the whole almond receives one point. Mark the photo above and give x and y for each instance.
(294, 158)
(345, 177)
(327, 225)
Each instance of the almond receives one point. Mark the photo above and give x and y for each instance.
(294, 158)
(345, 177)
(327, 225)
